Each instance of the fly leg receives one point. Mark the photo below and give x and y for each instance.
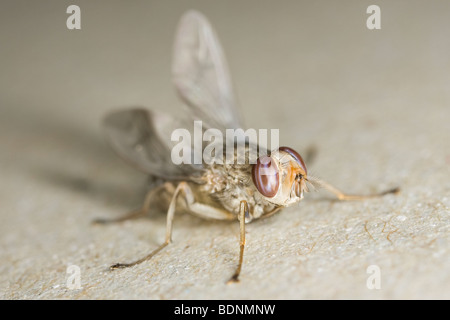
(182, 186)
(348, 197)
(242, 212)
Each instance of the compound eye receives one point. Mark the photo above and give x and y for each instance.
(296, 156)
(266, 176)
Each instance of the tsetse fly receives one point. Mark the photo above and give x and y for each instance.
(229, 191)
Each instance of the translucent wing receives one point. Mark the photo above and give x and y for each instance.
(143, 138)
(201, 75)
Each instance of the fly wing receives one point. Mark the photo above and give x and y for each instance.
(201, 76)
(143, 139)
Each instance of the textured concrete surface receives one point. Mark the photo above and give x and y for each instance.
(375, 104)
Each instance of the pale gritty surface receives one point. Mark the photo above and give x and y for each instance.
(375, 104)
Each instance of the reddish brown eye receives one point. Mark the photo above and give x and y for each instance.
(266, 177)
(295, 155)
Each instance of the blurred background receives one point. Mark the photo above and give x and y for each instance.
(374, 103)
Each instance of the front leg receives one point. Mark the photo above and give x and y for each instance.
(243, 211)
